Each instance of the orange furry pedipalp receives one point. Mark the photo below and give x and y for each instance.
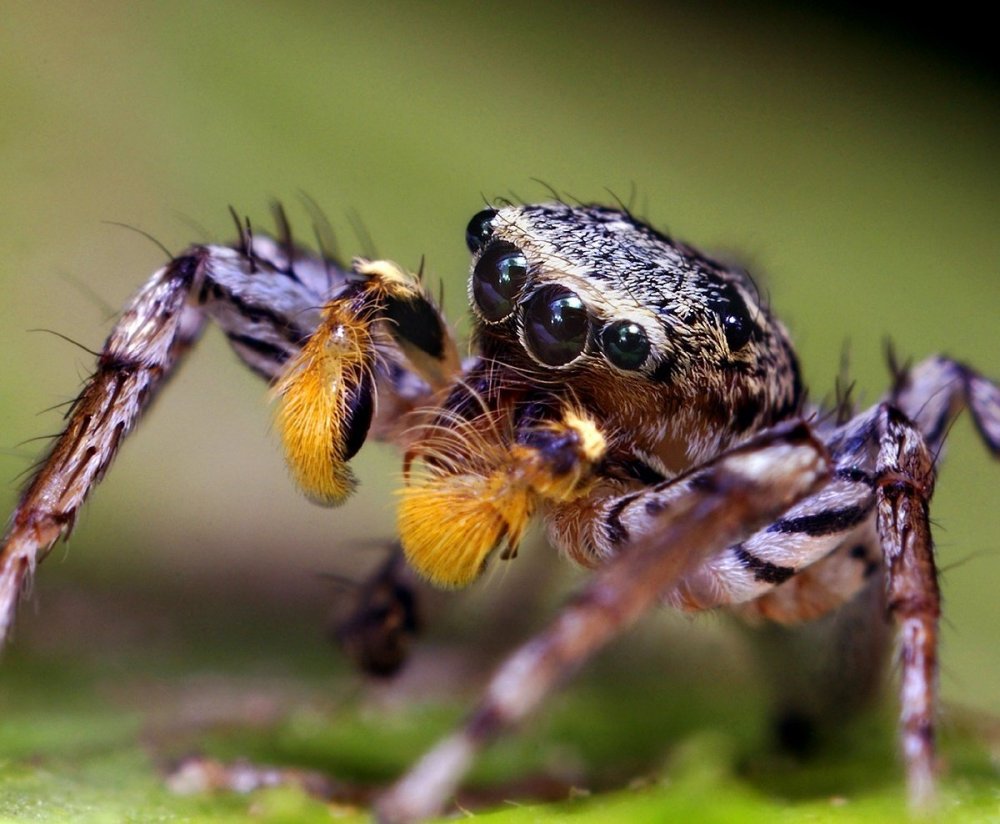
(472, 492)
(314, 404)
(450, 524)
(461, 499)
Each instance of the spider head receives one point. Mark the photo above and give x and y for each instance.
(659, 340)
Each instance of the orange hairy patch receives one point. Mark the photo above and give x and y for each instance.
(449, 524)
(476, 488)
(313, 410)
(462, 500)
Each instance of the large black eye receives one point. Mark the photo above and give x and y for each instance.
(625, 344)
(479, 229)
(556, 325)
(498, 277)
(734, 316)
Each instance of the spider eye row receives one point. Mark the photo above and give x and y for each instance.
(557, 326)
(557, 329)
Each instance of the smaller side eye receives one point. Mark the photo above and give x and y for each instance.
(497, 279)
(625, 344)
(737, 325)
(556, 326)
(479, 229)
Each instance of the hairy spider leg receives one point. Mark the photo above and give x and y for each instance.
(268, 297)
(903, 492)
(930, 395)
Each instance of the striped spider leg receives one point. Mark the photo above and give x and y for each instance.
(301, 321)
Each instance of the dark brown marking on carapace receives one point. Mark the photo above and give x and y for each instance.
(798, 387)
(746, 412)
(664, 371)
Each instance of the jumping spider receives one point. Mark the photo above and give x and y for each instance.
(636, 394)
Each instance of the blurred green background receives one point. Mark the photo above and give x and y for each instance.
(855, 171)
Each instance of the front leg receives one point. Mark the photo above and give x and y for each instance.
(904, 484)
(138, 357)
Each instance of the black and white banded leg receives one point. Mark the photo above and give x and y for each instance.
(267, 296)
(905, 482)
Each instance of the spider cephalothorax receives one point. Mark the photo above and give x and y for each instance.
(662, 343)
(636, 394)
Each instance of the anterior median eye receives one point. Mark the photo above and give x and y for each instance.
(556, 326)
(734, 316)
(498, 277)
(625, 344)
